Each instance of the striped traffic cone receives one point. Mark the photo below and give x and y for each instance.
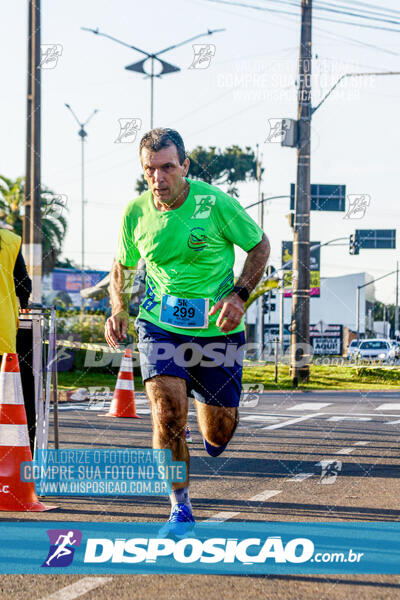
(123, 402)
(15, 495)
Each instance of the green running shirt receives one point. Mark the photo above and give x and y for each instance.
(189, 251)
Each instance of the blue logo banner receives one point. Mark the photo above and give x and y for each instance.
(245, 548)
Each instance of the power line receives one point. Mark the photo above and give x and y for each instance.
(350, 40)
(381, 8)
(347, 9)
(293, 14)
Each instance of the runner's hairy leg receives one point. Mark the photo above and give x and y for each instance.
(169, 407)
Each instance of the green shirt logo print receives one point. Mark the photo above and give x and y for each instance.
(204, 203)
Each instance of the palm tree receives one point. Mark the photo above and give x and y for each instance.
(54, 223)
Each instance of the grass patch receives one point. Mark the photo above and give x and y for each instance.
(321, 378)
(72, 380)
(326, 377)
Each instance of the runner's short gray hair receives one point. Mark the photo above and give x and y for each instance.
(162, 137)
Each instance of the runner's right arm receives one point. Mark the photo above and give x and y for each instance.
(121, 282)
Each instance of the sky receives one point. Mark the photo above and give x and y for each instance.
(250, 80)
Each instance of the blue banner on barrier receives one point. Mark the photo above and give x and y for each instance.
(245, 548)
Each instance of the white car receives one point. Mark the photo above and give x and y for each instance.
(351, 349)
(375, 349)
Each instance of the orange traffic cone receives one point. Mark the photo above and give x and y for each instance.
(123, 402)
(15, 495)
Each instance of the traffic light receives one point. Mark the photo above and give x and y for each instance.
(354, 245)
(290, 218)
(268, 305)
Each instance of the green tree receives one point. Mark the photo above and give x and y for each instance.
(141, 185)
(223, 168)
(378, 312)
(228, 167)
(54, 223)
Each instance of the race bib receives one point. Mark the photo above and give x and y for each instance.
(188, 313)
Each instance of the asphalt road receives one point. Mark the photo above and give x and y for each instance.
(296, 456)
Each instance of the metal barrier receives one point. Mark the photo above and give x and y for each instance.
(34, 320)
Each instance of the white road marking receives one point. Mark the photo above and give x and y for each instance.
(388, 406)
(292, 421)
(74, 407)
(265, 495)
(345, 451)
(392, 422)
(259, 418)
(335, 419)
(221, 516)
(310, 406)
(300, 477)
(372, 415)
(80, 587)
(225, 515)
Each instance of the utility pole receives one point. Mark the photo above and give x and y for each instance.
(300, 326)
(281, 317)
(396, 309)
(260, 305)
(32, 224)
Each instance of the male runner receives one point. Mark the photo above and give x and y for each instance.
(186, 231)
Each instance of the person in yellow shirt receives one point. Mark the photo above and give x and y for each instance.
(14, 282)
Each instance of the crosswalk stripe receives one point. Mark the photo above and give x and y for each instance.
(343, 418)
(310, 406)
(259, 418)
(293, 421)
(300, 477)
(225, 515)
(80, 587)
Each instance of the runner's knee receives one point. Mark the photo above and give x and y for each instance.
(167, 396)
(218, 424)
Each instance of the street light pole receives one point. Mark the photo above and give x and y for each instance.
(345, 76)
(82, 134)
(151, 92)
(139, 66)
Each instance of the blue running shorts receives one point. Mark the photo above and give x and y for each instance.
(211, 366)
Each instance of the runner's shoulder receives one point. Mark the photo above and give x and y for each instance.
(204, 188)
(137, 205)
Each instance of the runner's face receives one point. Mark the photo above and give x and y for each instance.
(164, 174)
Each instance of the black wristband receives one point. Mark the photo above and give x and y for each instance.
(242, 292)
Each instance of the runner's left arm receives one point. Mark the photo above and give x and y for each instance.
(232, 307)
(254, 266)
